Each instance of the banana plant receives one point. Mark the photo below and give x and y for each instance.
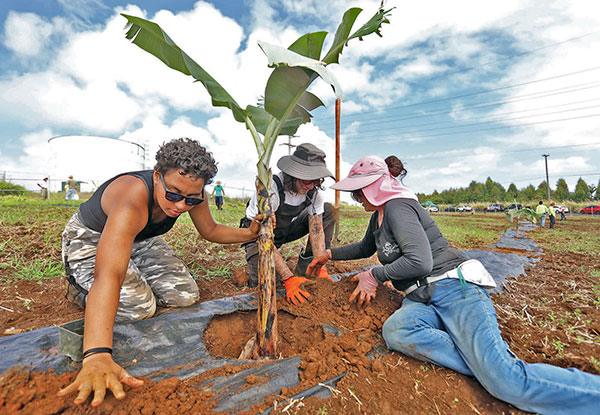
(526, 214)
(286, 106)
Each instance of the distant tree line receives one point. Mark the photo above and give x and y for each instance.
(492, 191)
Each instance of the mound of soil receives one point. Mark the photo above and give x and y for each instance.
(34, 393)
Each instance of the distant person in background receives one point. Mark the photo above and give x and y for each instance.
(218, 193)
(43, 185)
(71, 193)
(552, 214)
(562, 215)
(542, 210)
(397, 169)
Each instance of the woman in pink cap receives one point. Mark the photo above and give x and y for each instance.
(447, 317)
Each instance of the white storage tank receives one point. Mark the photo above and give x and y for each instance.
(91, 160)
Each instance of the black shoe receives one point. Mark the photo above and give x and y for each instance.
(74, 295)
(302, 264)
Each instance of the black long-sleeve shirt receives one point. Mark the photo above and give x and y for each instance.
(408, 243)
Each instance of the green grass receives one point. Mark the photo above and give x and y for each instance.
(32, 214)
(34, 199)
(465, 231)
(353, 224)
(584, 238)
(32, 270)
(200, 271)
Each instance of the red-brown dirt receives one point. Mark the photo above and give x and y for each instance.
(550, 316)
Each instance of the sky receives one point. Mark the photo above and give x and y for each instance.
(459, 91)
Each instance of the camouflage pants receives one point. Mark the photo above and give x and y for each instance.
(155, 276)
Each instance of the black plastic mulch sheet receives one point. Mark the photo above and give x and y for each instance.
(501, 266)
(171, 344)
(508, 240)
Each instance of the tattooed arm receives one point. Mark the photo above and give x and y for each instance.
(316, 234)
(281, 267)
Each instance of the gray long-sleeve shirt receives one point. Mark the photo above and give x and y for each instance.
(408, 243)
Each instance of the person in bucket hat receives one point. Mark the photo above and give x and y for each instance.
(299, 208)
(447, 317)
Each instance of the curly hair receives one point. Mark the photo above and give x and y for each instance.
(187, 155)
(395, 167)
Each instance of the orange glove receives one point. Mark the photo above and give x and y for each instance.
(323, 274)
(293, 292)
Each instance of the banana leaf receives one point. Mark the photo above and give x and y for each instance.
(341, 38)
(150, 37)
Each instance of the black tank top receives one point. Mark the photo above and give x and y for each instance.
(92, 215)
(286, 214)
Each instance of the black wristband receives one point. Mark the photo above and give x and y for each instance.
(96, 350)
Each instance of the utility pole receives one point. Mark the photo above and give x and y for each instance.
(289, 143)
(545, 156)
(336, 209)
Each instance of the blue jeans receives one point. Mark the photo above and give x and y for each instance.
(462, 334)
(543, 220)
(70, 194)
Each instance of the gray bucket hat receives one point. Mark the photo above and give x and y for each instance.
(307, 163)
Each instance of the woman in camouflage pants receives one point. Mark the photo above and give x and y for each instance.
(119, 267)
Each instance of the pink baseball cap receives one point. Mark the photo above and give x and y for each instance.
(372, 176)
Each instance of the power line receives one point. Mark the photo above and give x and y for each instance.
(560, 177)
(595, 68)
(499, 152)
(501, 120)
(484, 104)
(473, 131)
(495, 61)
(512, 56)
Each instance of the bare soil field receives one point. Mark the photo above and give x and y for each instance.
(552, 315)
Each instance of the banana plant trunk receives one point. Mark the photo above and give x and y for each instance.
(266, 334)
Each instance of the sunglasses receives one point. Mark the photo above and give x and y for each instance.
(316, 182)
(357, 195)
(176, 197)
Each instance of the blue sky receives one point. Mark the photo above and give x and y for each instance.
(458, 90)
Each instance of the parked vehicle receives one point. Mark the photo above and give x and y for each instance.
(465, 209)
(563, 209)
(432, 209)
(450, 209)
(514, 206)
(495, 207)
(594, 210)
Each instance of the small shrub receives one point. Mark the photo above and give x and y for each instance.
(7, 188)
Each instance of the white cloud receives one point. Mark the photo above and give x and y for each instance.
(26, 34)
(51, 98)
